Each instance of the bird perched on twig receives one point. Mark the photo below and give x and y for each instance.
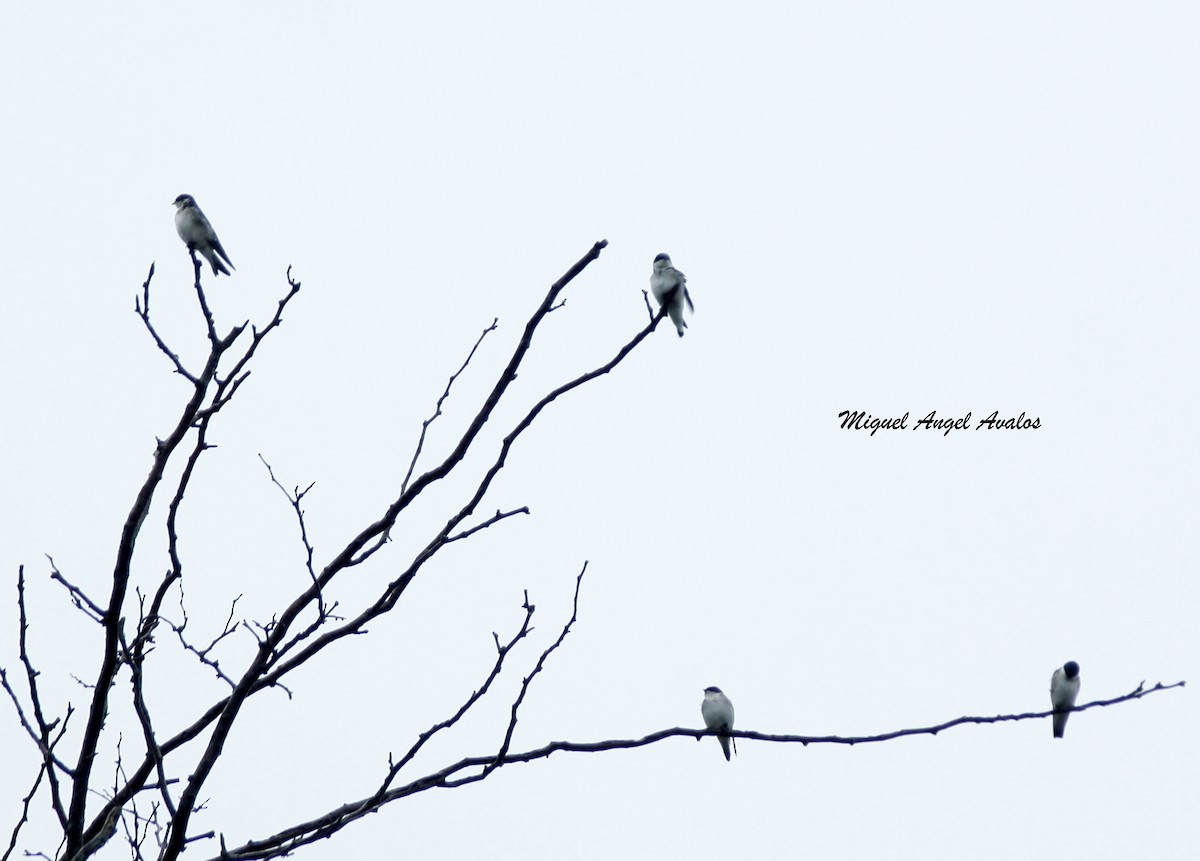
(198, 234)
(669, 287)
(1064, 688)
(717, 712)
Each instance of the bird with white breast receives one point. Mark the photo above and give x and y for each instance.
(669, 287)
(198, 234)
(717, 712)
(1064, 688)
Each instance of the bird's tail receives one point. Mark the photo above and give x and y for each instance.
(221, 253)
(1060, 723)
(675, 309)
(725, 740)
(218, 267)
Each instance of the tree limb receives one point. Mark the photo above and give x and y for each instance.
(283, 843)
(437, 411)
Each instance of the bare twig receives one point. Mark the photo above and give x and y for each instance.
(44, 728)
(25, 802)
(528, 680)
(208, 316)
(78, 597)
(441, 400)
(143, 311)
(134, 660)
(259, 334)
(294, 498)
(495, 518)
(649, 309)
(202, 654)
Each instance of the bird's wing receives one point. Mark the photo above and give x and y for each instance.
(216, 244)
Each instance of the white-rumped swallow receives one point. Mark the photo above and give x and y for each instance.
(198, 235)
(717, 712)
(669, 287)
(1064, 688)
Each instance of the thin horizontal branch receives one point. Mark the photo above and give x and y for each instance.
(283, 843)
(621, 744)
(495, 518)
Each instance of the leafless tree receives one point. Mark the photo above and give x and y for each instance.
(157, 793)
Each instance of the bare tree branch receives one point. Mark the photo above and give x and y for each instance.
(42, 735)
(441, 400)
(297, 631)
(202, 299)
(25, 802)
(353, 553)
(325, 826)
(396, 588)
(294, 498)
(662, 312)
(287, 841)
(495, 518)
(621, 744)
(202, 654)
(256, 675)
(78, 597)
(121, 572)
(143, 311)
(100, 834)
(137, 684)
(528, 680)
(206, 385)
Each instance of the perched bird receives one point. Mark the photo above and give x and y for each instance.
(1064, 688)
(669, 287)
(198, 234)
(717, 712)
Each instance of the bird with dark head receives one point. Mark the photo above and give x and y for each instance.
(1064, 688)
(198, 235)
(717, 712)
(669, 287)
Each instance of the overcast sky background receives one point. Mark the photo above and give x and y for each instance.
(887, 207)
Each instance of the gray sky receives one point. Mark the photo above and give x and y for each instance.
(888, 207)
